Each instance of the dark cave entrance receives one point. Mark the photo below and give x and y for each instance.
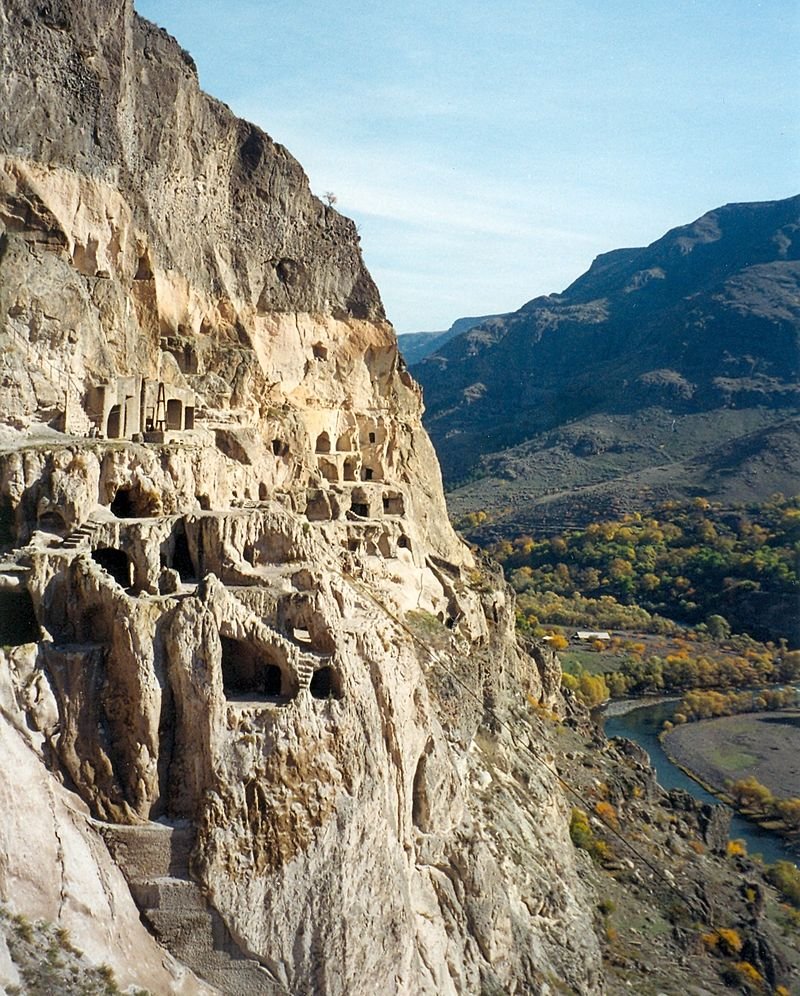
(273, 681)
(131, 502)
(174, 414)
(325, 684)
(122, 504)
(116, 562)
(182, 558)
(114, 423)
(248, 673)
(8, 525)
(17, 618)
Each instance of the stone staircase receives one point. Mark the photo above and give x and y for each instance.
(154, 858)
(79, 537)
(305, 672)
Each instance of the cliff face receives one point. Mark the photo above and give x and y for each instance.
(242, 633)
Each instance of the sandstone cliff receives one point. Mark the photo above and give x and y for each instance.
(248, 661)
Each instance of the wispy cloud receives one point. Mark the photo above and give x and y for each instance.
(489, 151)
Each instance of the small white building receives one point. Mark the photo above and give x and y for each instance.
(587, 635)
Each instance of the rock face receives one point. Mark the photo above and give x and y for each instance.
(662, 372)
(252, 624)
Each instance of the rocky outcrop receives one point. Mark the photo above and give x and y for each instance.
(226, 522)
(55, 864)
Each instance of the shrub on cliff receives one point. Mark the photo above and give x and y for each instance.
(785, 876)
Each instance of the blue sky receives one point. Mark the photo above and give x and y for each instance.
(490, 150)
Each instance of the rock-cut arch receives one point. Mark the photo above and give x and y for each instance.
(326, 683)
(252, 671)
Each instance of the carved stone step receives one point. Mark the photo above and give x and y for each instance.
(150, 851)
(168, 893)
(78, 536)
(187, 933)
(154, 858)
(305, 672)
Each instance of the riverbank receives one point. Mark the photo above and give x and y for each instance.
(644, 725)
(765, 745)
(621, 707)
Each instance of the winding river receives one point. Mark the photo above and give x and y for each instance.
(643, 726)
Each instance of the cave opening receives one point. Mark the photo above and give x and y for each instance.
(248, 672)
(114, 562)
(8, 526)
(359, 503)
(18, 623)
(130, 502)
(122, 504)
(393, 504)
(182, 558)
(325, 684)
(114, 423)
(273, 681)
(52, 521)
(174, 414)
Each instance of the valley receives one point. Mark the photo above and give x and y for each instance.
(269, 723)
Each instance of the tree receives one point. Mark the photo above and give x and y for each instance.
(330, 198)
(750, 793)
(718, 627)
(789, 810)
(592, 688)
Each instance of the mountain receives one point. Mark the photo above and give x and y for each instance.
(265, 721)
(246, 665)
(415, 346)
(661, 372)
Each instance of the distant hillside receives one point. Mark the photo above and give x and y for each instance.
(415, 346)
(662, 372)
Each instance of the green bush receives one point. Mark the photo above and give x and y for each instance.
(785, 876)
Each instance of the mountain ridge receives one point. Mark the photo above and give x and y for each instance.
(224, 559)
(705, 319)
(415, 346)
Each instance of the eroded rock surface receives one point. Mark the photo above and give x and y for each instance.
(227, 524)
